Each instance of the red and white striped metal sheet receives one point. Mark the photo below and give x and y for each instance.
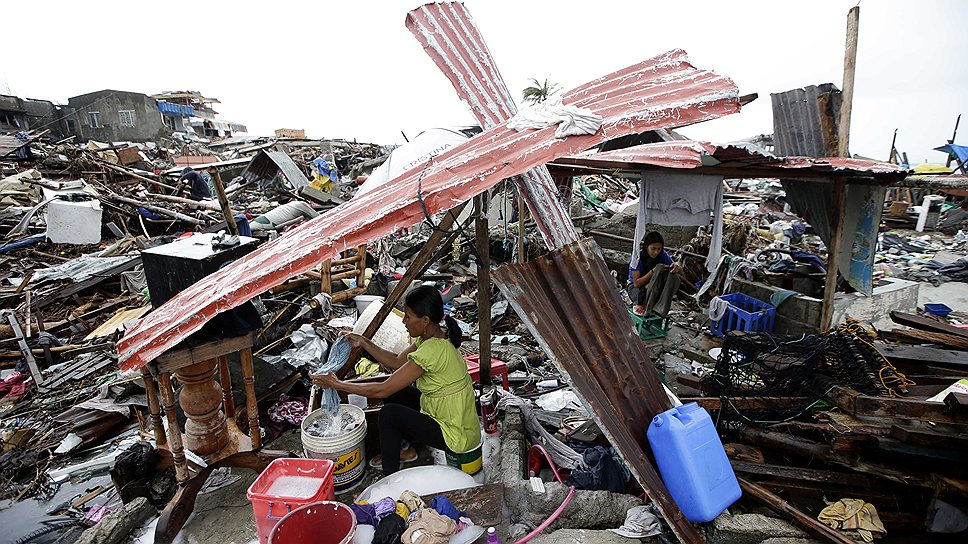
(451, 38)
(688, 154)
(662, 92)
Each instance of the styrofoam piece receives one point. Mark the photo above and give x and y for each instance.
(424, 480)
(392, 335)
(74, 222)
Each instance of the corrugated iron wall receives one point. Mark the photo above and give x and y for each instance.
(805, 121)
(570, 302)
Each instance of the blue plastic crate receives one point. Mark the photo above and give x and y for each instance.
(940, 310)
(744, 313)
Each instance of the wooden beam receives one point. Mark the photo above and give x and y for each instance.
(833, 249)
(805, 474)
(418, 266)
(483, 242)
(859, 405)
(174, 360)
(28, 355)
(847, 91)
(940, 338)
(780, 506)
(223, 201)
(927, 324)
(921, 355)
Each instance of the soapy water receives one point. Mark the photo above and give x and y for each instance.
(301, 487)
(328, 425)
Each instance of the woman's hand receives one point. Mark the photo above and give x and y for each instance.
(355, 340)
(676, 268)
(325, 380)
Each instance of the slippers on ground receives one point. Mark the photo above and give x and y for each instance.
(406, 456)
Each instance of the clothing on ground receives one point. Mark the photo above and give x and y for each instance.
(365, 514)
(602, 472)
(429, 527)
(402, 510)
(412, 501)
(390, 530)
(853, 514)
(640, 522)
(447, 393)
(444, 507)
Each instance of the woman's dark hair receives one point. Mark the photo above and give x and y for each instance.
(650, 238)
(425, 301)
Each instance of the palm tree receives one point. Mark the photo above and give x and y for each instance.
(538, 91)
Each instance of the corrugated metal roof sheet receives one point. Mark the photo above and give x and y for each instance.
(693, 154)
(568, 299)
(266, 164)
(451, 38)
(663, 92)
(799, 118)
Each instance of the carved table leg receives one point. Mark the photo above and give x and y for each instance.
(174, 434)
(225, 380)
(151, 391)
(201, 399)
(251, 406)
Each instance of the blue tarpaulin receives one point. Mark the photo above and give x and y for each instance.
(175, 109)
(959, 151)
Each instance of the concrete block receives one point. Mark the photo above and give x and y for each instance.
(751, 529)
(116, 526)
(74, 222)
(895, 294)
(585, 536)
(587, 509)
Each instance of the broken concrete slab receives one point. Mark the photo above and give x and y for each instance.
(70, 222)
(585, 536)
(116, 526)
(751, 529)
(587, 509)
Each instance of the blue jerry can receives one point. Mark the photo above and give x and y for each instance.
(692, 462)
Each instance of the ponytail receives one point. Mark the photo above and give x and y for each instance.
(454, 333)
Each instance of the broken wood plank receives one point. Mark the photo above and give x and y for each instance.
(780, 506)
(173, 360)
(859, 405)
(805, 474)
(922, 355)
(927, 324)
(35, 372)
(748, 403)
(927, 337)
(923, 437)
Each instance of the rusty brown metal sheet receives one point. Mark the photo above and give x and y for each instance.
(663, 92)
(687, 154)
(451, 38)
(570, 302)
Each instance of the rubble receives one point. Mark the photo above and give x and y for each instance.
(824, 388)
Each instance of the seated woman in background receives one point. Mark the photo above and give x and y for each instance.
(440, 410)
(654, 264)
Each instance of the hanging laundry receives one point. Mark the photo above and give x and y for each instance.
(681, 200)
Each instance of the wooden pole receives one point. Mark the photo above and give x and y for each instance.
(128, 172)
(483, 243)
(174, 434)
(419, 265)
(780, 506)
(522, 250)
(847, 96)
(225, 380)
(154, 407)
(833, 249)
(223, 201)
(954, 134)
(361, 265)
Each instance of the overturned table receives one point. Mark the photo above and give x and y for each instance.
(210, 427)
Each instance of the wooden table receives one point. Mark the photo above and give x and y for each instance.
(210, 427)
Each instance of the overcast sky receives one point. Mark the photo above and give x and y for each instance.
(350, 69)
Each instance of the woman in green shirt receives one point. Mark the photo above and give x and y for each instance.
(439, 411)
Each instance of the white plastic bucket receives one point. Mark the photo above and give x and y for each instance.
(347, 451)
(392, 335)
(362, 301)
